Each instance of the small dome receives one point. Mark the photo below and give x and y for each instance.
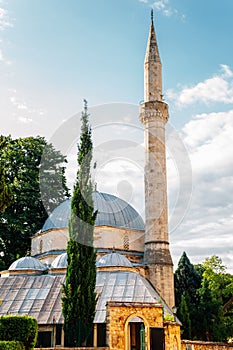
(113, 259)
(112, 211)
(60, 262)
(27, 263)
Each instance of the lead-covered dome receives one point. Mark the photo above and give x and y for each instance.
(27, 263)
(60, 262)
(112, 211)
(113, 259)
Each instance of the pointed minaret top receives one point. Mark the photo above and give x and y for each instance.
(152, 67)
(152, 52)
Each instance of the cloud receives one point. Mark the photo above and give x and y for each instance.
(207, 229)
(4, 19)
(22, 111)
(25, 120)
(219, 88)
(4, 24)
(164, 7)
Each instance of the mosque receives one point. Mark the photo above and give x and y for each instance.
(135, 287)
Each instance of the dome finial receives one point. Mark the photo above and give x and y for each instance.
(152, 16)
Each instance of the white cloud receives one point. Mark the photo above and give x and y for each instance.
(226, 71)
(22, 106)
(219, 88)
(22, 111)
(4, 19)
(208, 227)
(164, 7)
(25, 120)
(160, 5)
(4, 24)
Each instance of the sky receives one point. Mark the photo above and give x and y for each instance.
(53, 54)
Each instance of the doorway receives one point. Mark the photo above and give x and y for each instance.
(137, 334)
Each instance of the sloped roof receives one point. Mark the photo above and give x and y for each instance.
(112, 211)
(37, 296)
(40, 296)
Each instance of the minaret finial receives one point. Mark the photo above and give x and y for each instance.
(152, 16)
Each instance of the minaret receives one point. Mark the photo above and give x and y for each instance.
(153, 116)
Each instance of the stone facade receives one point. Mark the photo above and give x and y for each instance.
(119, 316)
(47, 245)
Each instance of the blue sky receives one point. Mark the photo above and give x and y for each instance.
(55, 53)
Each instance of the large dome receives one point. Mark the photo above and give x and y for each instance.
(112, 211)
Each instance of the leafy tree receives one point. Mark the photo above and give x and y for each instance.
(208, 300)
(209, 309)
(79, 298)
(24, 159)
(5, 195)
(220, 293)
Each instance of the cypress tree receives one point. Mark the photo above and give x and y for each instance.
(187, 283)
(79, 298)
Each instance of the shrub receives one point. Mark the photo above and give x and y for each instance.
(19, 328)
(11, 345)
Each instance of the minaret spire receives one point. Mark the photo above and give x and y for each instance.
(152, 16)
(153, 67)
(153, 116)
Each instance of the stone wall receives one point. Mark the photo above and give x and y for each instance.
(201, 345)
(172, 336)
(60, 348)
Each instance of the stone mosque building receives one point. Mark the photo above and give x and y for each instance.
(134, 283)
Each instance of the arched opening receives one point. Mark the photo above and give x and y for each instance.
(41, 246)
(136, 334)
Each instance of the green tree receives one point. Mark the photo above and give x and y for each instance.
(185, 317)
(5, 195)
(220, 293)
(24, 159)
(187, 282)
(210, 325)
(79, 297)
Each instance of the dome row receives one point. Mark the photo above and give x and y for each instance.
(60, 262)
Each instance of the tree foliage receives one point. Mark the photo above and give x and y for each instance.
(187, 282)
(5, 195)
(207, 291)
(79, 298)
(220, 286)
(33, 169)
(185, 317)
(22, 328)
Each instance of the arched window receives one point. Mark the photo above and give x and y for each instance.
(126, 242)
(41, 246)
